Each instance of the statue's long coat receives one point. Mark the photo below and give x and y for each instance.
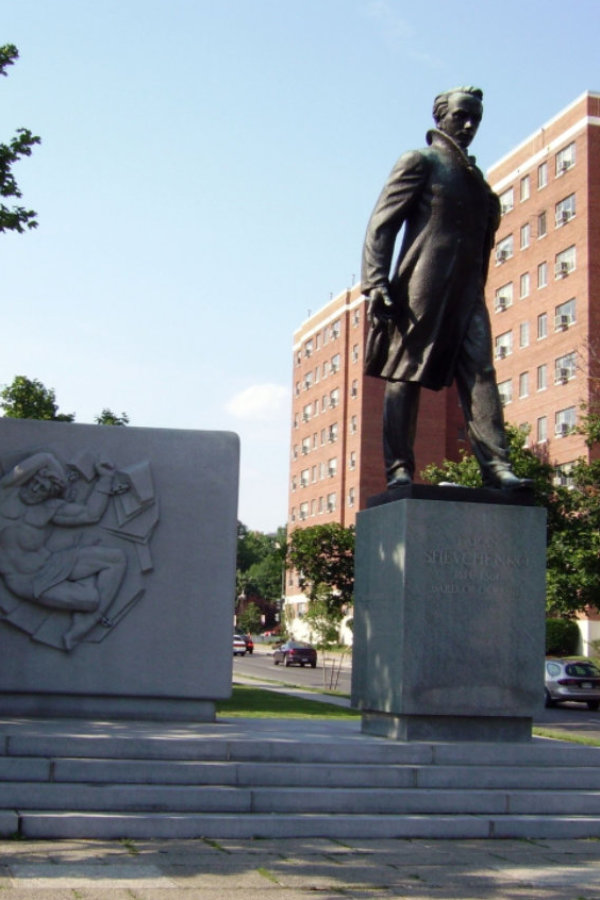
(450, 215)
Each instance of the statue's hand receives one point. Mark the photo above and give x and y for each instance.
(380, 305)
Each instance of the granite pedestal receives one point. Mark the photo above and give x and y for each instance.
(449, 615)
(116, 592)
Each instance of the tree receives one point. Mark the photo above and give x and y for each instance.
(29, 399)
(323, 556)
(15, 218)
(260, 570)
(108, 417)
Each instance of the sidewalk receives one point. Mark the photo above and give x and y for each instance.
(298, 869)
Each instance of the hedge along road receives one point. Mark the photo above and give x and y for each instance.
(573, 718)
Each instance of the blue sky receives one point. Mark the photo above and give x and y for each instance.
(205, 178)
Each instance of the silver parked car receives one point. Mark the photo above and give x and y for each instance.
(570, 679)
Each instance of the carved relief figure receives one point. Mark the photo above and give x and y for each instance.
(52, 557)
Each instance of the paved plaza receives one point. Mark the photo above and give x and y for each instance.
(293, 869)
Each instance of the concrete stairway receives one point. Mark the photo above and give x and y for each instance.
(270, 778)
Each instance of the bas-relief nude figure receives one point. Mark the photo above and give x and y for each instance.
(429, 325)
(50, 556)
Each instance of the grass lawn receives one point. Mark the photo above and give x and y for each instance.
(256, 703)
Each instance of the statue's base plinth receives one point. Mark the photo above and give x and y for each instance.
(449, 615)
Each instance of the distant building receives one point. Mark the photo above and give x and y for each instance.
(336, 435)
(544, 282)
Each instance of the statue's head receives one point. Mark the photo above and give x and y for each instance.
(458, 112)
(45, 484)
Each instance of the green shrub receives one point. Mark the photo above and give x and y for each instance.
(562, 637)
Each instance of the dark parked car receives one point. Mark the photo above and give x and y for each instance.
(295, 653)
(572, 680)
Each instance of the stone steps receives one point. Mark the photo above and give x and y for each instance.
(112, 781)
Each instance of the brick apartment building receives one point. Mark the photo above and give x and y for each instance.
(544, 282)
(336, 441)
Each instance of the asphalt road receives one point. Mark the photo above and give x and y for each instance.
(574, 718)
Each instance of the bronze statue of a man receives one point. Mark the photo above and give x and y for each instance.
(429, 324)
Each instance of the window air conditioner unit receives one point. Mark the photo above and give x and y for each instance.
(562, 322)
(565, 165)
(501, 303)
(304, 451)
(501, 352)
(563, 375)
(562, 429)
(330, 507)
(563, 269)
(331, 473)
(501, 255)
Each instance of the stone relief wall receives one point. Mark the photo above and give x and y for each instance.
(74, 543)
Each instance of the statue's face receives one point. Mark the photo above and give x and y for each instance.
(461, 119)
(38, 489)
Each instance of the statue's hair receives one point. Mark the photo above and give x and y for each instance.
(440, 104)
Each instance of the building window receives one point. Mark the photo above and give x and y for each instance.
(335, 330)
(316, 374)
(355, 353)
(356, 317)
(542, 225)
(542, 377)
(565, 421)
(352, 460)
(331, 502)
(305, 446)
(524, 335)
(503, 297)
(503, 345)
(335, 363)
(325, 369)
(523, 385)
(563, 475)
(525, 188)
(304, 477)
(308, 380)
(307, 412)
(565, 159)
(332, 467)
(354, 388)
(507, 201)
(564, 262)
(565, 367)
(313, 474)
(564, 315)
(542, 275)
(308, 349)
(333, 432)
(334, 398)
(542, 326)
(317, 340)
(542, 175)
(353, 424)
(564, 210)
(304, 510)
(351, 497)
(504, 249)
(542, 429)
(505, 391)
(524, 285)
(525, 235)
